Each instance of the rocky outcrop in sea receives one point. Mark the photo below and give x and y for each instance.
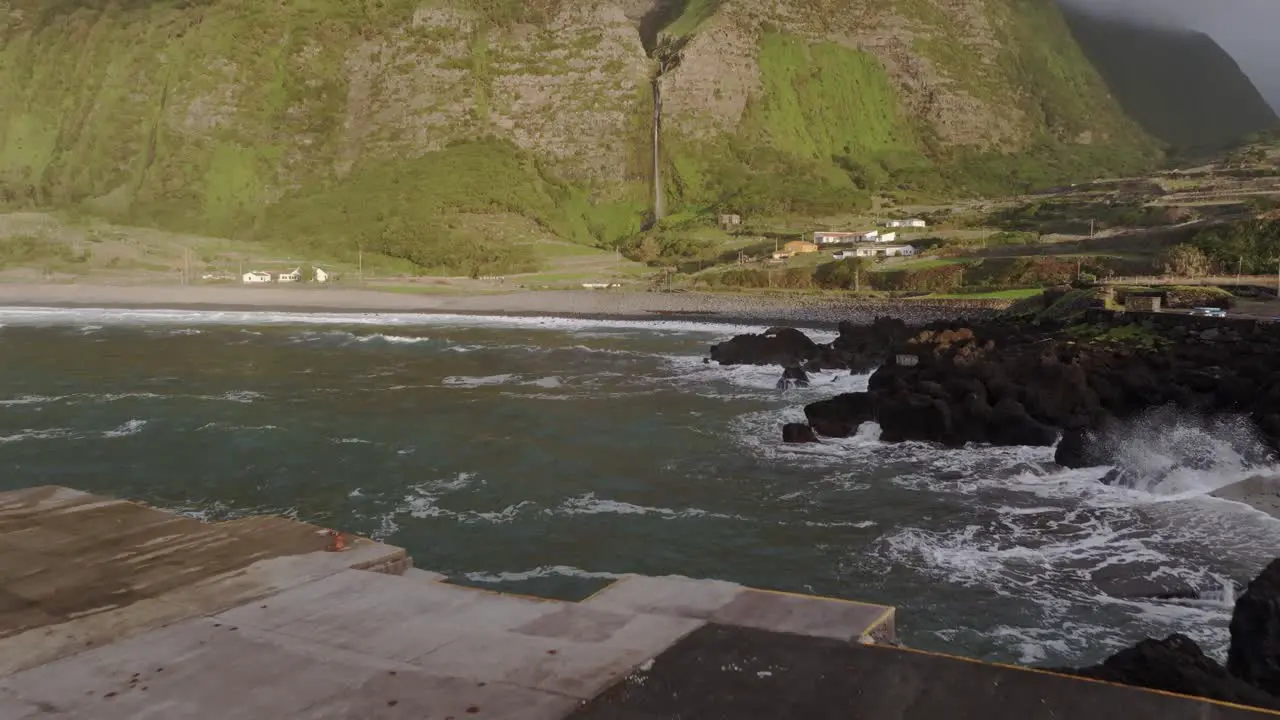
(1176, 664)
(1008, 382)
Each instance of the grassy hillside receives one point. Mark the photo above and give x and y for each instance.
(1181, 86)
(394, 124)
(247, 119)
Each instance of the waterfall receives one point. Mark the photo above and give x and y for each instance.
(658, 203)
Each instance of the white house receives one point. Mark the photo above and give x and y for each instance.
(293, 276)
(254, 276)
(885, 237)
(836, 238)
(916, 223)
(321, 276)
(895, 223)
(874, 251)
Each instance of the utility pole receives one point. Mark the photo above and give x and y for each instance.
(1091, 228)
(360, 261)
(1239, 269)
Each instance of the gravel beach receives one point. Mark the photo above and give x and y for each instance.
(813, 311)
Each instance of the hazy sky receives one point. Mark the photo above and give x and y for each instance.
(1248, 29)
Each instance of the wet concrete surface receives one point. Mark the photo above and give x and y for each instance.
(722, 672)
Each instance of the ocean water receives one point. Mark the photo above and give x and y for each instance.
(547, 456)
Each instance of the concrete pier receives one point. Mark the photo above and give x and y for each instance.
(112, 610)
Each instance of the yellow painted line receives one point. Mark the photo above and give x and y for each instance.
(884, 617)
(1039, 671)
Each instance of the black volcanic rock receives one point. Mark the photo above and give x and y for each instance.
(840, 416)
(859, 348)
(798, 433)
(793, 377)
(775, 346)
(1176, 664)
(1254, 656)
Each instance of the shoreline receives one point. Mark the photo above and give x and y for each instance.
(808, 313)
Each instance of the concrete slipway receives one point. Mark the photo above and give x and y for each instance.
(112, 610)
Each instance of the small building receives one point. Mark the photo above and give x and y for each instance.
(895, 223)
(835, 238)
(294, 275)
(898, 250)
(797, 247)
(254, 277)
(916, 223)
(780, 255)
(730, 220)
(885, 237)
(1142, 303)
(321, 276)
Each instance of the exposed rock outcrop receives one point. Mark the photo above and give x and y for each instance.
(1255, 632)
(798, 433)
(858, 348)
(1176, 664)
(1008, 383)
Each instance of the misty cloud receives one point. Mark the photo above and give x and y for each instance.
(1245, 28)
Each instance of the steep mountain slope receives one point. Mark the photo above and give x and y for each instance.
(396, 123)
(1180, 85)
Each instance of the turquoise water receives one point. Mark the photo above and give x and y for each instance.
(547, 456)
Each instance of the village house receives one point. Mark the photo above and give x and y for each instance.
(835, 238)
(294, 275)
(875, 251)
(827, 237)
(912, 223)
(321, 276)
(730, 220)
(797, 247)
(886, 237)
(254, 276)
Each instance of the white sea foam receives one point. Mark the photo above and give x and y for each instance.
(392, 339)
(45, 434)
(133, 427)
(541, 571)
(236, 428)
(477, 381)
(31, 400)
(589, 504)
(423, 502)
(87, 317)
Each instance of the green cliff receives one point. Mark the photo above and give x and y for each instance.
(403, 124)
(1181, 86)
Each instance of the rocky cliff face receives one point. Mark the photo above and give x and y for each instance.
(1182, 87)
(329, 117)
